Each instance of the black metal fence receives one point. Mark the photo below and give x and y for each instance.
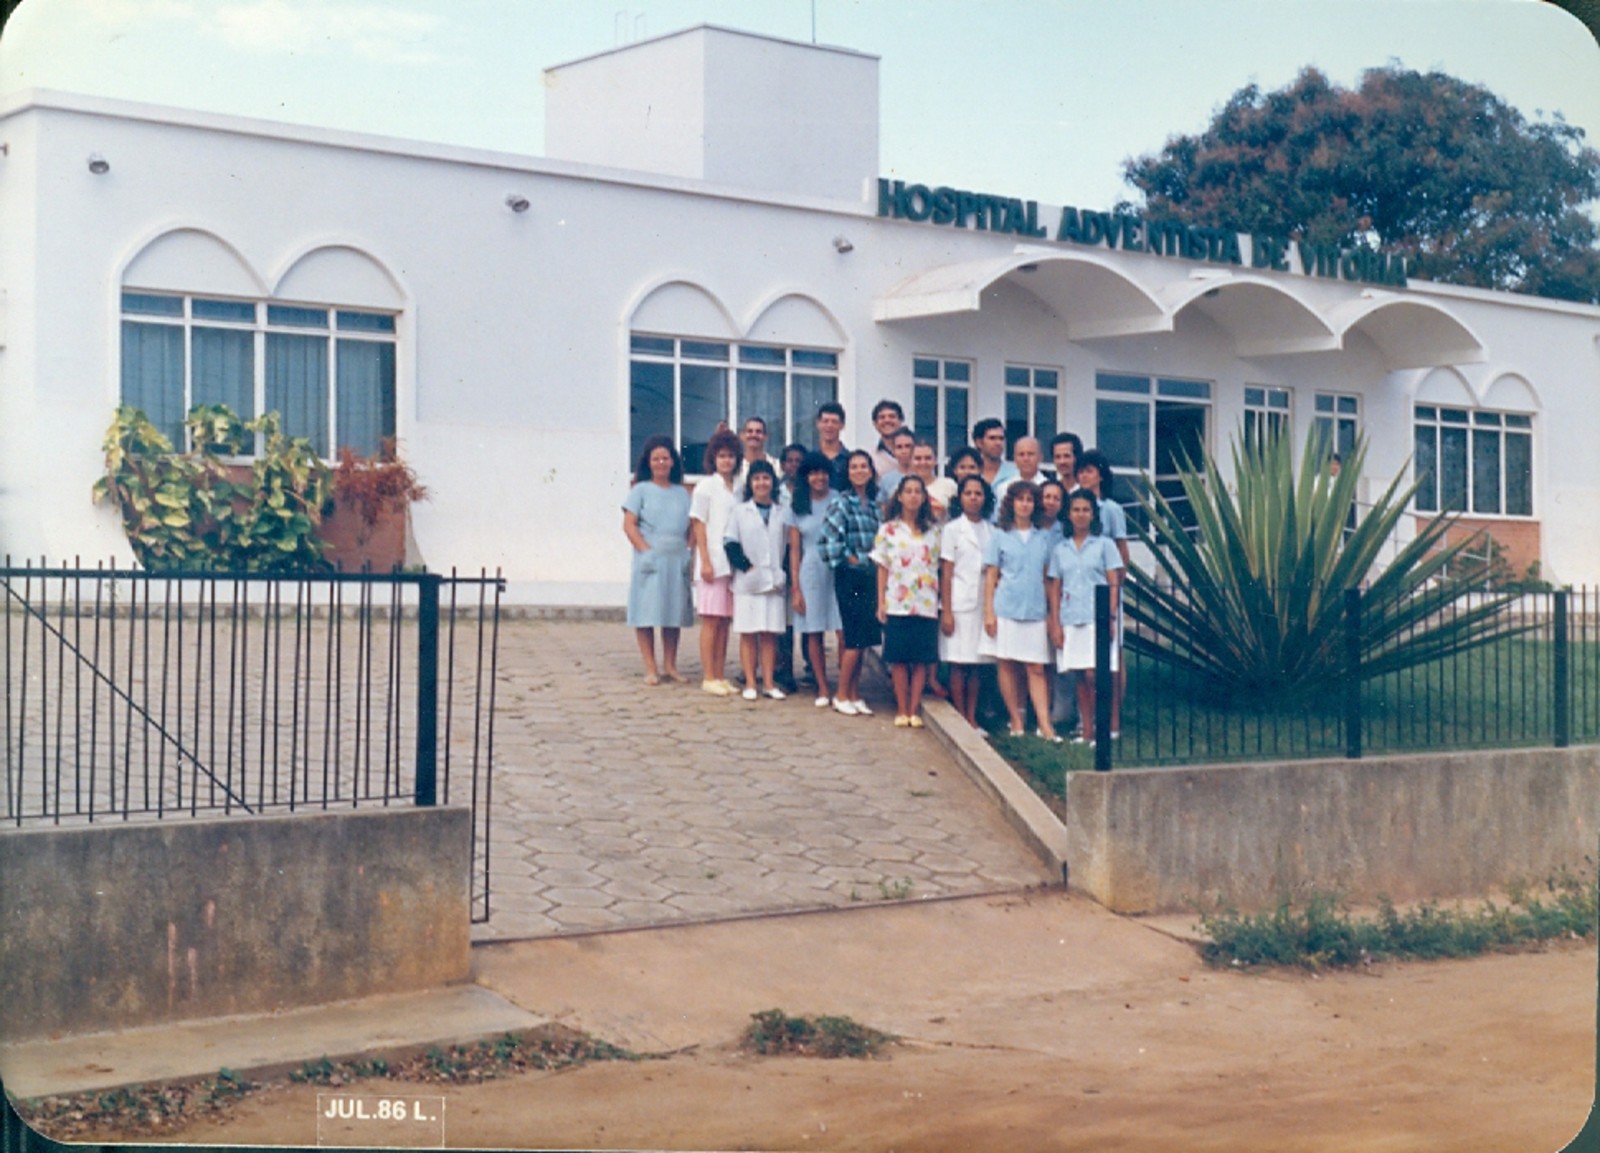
(1537, 683)
(131, 695)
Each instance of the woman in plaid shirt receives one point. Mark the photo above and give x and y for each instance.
(846, 547)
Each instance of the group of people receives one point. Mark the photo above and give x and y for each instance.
(993, 563)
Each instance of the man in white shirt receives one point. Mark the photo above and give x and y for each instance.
(888, 418)
(753, 437)
(1027, 455)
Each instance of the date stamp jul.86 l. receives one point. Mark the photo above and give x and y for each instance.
(346, 1119)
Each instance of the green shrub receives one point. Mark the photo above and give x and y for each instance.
(184, 511)
(772, 1032)
(1320, 933)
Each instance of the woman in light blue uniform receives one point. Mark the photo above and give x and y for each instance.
(655, 519)
(1077, 564)
(1013, 605)
(816, 605)
(1095, 476)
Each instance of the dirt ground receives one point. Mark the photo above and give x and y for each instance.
(1033, 1022)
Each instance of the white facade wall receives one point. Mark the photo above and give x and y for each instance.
(513, 329)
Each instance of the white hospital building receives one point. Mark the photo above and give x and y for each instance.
(709, 236)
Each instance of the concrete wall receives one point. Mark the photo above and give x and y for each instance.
(109, 927)
(1437, 826)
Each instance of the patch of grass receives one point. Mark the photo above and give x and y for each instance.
(772, 1032)
(1044, 766)
(161, 1109)
(1320, 932)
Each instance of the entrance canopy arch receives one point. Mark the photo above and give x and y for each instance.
(1263, 317)
(1087, 293)
(1409, 333)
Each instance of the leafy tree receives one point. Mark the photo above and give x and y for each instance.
(1253, 603)
(1420, 163)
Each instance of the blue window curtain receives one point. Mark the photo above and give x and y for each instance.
(761, 394)
(223, 364)
(364, 412)
(152, 375)
(810, 393)
(297, 386)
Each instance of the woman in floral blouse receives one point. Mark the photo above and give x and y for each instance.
(906, 552)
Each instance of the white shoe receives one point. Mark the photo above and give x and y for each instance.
(861, 708)
(823, 702)
(775, 694)
(749, 694)
(844, 707)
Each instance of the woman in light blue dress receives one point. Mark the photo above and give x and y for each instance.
(816, 605)
(655, 519)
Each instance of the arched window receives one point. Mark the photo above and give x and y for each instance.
(1470, 458)
(689, 368)
(197, 328)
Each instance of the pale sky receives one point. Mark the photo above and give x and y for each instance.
(1039, 99)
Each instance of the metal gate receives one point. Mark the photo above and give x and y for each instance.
(139, 696)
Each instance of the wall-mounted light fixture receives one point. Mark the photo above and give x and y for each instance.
(842, 244)
(98, 164)
(516, 202)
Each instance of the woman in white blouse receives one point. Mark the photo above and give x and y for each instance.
(962, 545)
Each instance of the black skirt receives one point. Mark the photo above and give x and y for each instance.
(857, 589)
(911, 641)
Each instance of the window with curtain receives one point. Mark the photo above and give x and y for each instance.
(328, 372)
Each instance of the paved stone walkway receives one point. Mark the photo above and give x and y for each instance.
(619, 805)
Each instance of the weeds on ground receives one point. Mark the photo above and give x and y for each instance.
(1320, 933)
(136, 1109)
(150, 1109)
(896, 890)
(772, 1032)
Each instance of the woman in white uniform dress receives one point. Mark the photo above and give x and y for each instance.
(962, 545)
(756, 535)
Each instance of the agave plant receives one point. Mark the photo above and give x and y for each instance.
(1254, 602)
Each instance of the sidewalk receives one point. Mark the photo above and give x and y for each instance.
(617, 805)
